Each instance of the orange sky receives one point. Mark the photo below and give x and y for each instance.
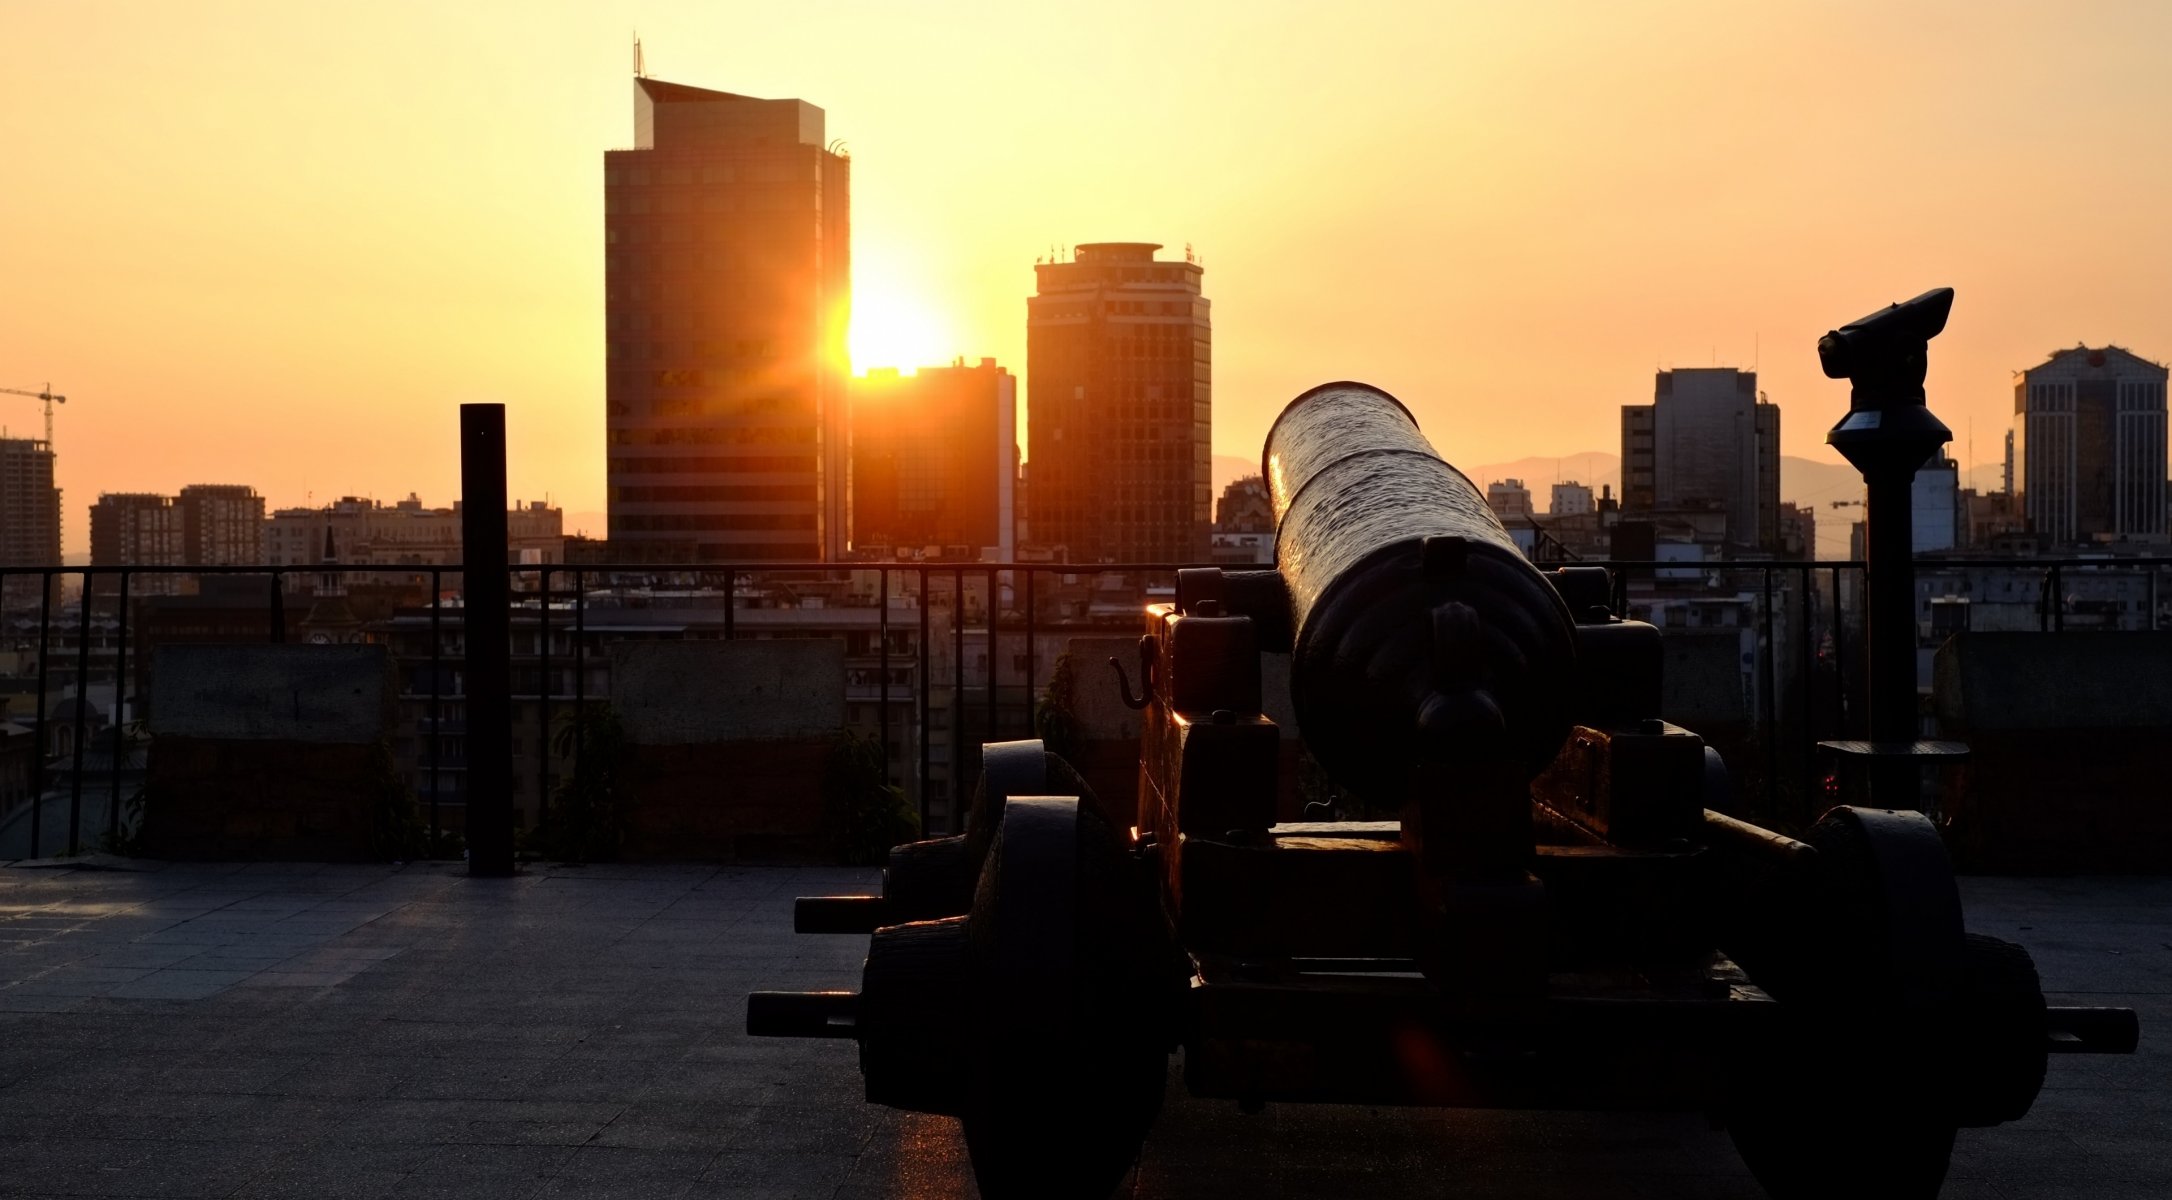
(258, 243)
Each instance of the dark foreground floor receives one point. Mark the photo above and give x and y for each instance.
(378, 1031)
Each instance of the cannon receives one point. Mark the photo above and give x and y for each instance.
(1528, 893)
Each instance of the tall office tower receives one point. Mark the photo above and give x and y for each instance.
(29, 517)
(727, 289)
(136, 529)
(935, 460)
(2089, 445)
(1119, 392)
(1706, 450)
(222, 524)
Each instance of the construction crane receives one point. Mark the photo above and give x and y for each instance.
(50, 400)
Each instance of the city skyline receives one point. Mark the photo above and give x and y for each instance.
(190, 295)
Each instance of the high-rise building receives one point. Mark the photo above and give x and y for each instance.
(29, 516)
(1708, 446)
(1119, 388)
(2088, 449)
(136, 529)
(726, 286)
(1935, 519)
(935, 460)
(222, 524)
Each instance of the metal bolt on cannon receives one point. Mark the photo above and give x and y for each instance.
(1558, 914)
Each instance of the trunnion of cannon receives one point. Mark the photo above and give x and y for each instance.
(1526, 894)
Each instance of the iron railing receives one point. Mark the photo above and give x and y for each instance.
(1806, 586)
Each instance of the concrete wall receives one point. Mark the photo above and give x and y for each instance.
(2068, 757)
(271, 752)
(725, 746)
(324, 695)
(699, 693)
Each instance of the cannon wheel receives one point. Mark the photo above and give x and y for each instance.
(1856, 1100)
(1069, 1053)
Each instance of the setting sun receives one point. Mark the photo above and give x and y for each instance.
(893, 326)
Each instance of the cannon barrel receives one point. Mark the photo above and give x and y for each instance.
(1422, 634)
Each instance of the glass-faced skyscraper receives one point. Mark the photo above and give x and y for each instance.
(727, 270)
(1119, 393)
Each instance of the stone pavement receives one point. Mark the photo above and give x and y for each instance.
(340, 1031)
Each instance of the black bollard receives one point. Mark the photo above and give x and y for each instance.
(1888, 434)
(486, 587)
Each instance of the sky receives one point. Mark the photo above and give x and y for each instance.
(280, 243)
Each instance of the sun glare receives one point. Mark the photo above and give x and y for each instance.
(893, 327)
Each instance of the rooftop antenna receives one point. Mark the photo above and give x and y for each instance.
(640, 69)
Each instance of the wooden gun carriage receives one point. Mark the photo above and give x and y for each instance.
(1554, 911)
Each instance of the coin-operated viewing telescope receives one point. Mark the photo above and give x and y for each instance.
(1556, 911)
(1887, 434)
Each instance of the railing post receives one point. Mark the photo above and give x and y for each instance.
(120, 718)
(82, 718)
(485, 584)
(543, 697)
(882, 664)
(580, 667)
(278, 608)
(437, 708)
(1840, 660)
(1807, 581)
(921, 683)
(2058, 600)
(37, 728)
(1769, 697)
(1031, 700)
(957, 701)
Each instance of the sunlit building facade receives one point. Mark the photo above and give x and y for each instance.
(726, 273)
(935, 461)
(1119, 389)
(2088, 446)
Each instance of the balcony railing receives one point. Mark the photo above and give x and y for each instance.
(1801, 619)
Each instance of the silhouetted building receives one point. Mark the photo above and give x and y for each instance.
(405, 538)
(1935, 519)
(1708, 446)
(727, 272)
(1571, 499)
(29, 516)
(935, 460)
(137, 529)
(222, 524)
(1245, 507)
(1798, 532)
(2088, 448)
(1118, 350)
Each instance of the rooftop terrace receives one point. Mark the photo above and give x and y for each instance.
(398, 1031)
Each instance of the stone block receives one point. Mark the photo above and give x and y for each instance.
(704, 693)
(323, 695)
(2066, 750)
(724, 800)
